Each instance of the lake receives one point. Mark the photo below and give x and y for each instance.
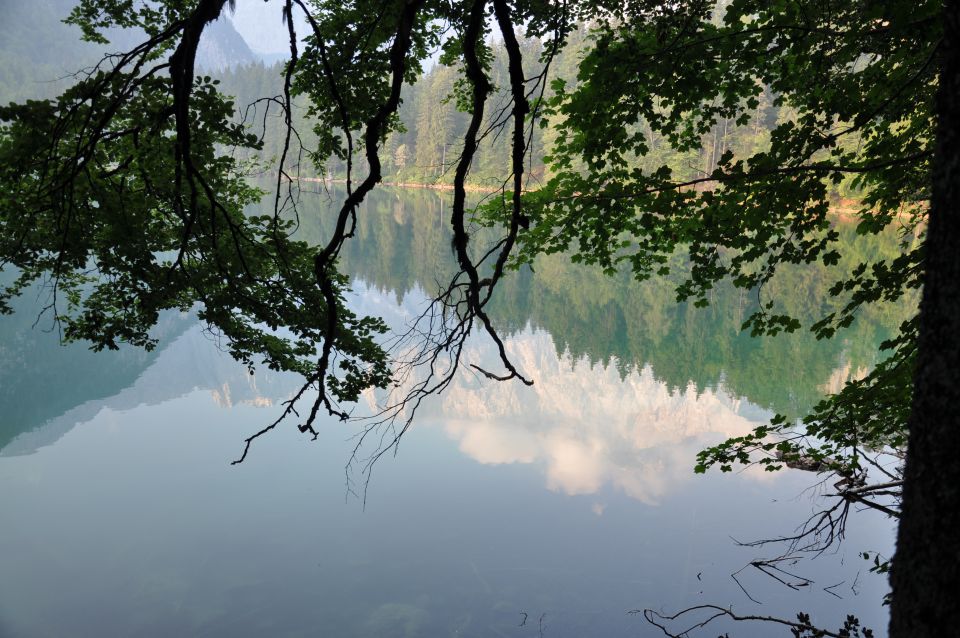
(553, 510)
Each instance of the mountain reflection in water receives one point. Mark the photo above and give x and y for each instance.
(122, 517)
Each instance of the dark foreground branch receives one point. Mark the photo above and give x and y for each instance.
(800, 628)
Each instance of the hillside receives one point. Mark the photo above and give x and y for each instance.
(39, 53)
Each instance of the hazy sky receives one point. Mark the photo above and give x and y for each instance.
(261, 25)
(259, 22)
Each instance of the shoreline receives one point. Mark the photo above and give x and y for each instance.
(845, 210)
(472, 188)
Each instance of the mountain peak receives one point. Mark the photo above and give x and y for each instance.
(222, 47)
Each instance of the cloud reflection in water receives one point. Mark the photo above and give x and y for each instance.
(587, 426)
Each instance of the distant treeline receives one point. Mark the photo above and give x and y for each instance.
(37, 53)
(427, 150)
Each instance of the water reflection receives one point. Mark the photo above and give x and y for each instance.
(585, 425)
(134, 524)
(190, 361)
(588, 426)
(613, 324)
(44, 382)
(629, 325)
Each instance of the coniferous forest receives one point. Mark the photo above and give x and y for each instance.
(425, 150)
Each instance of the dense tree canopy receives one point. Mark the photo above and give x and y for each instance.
(126, 195)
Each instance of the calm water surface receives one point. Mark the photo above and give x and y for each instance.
(565, 505)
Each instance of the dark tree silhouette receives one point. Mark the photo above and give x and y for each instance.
(927, 565)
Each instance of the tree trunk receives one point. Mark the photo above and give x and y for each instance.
(926, 568)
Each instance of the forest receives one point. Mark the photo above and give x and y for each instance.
(422, 151)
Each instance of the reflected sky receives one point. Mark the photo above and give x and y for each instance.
(572, 501)
(583, 426)
(587, 426)
(575, 501)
